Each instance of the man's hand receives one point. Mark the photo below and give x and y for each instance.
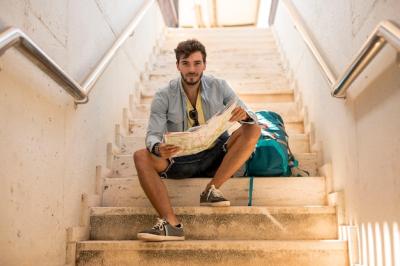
(168, 150)
(238, 114)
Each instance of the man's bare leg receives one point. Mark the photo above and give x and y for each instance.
(240, 146)
(148, 166)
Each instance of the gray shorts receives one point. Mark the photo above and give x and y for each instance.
(202, 164)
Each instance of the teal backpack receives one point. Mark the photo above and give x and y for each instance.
(272, 156)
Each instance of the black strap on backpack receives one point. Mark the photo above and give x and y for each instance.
(251, 186)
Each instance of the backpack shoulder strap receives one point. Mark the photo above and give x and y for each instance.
(251, 187)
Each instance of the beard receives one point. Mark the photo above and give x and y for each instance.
(191, 81)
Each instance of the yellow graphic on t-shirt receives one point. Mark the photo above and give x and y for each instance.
(199, 108)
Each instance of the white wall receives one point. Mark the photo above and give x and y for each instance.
(229, 12)
(360, 135)
(49, 149)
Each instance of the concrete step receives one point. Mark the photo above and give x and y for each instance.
(219, 31)
(242, 82)
(238, 83)
(243, 51)
(222, 51)
(210, 41)
(216, 39)
(278, 95)
(229, 46)
(276, 191)
(220, 45)
(265, 69)
(229, 223)
(232, 73)
(219, 40)
(213, 58)
(287, 110)
(213, 252)
(149, 88)
(123, 165)
(138, 126)
(230, 61)
(298, 143)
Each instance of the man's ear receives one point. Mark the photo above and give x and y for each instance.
(177, 65)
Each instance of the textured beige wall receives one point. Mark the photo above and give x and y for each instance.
(360, 135)
(49, 149)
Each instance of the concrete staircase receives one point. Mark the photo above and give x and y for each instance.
(290, 222)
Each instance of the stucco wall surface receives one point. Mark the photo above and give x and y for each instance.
(49, 149)
(360, 135)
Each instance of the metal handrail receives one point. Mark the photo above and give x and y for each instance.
(15, 37)
(385, 32)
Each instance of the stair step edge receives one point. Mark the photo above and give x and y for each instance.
(214, 244)
(200, 210)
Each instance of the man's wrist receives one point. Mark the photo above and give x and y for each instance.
(248, 118)
(156, 149)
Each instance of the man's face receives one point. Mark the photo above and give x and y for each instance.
(191, 68)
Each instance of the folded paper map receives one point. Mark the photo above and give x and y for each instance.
(202, 137)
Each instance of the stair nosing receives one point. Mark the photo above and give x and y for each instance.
(201, 210)
(214, 244)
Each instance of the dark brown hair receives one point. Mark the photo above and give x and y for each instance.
(186, 48)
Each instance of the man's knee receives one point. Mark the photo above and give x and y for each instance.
(141, 157)
(251, 131)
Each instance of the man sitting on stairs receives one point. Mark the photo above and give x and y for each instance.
(189, 101)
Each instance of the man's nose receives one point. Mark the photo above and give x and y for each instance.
(192, 68)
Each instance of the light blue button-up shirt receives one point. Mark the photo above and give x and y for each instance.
(168, 109)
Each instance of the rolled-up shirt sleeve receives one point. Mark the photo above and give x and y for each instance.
(229, 95)
(157, 121)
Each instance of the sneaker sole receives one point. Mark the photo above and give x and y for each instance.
(150, 237)
(216, 204)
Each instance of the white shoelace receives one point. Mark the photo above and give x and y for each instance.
(215, 192)
(160, 224)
